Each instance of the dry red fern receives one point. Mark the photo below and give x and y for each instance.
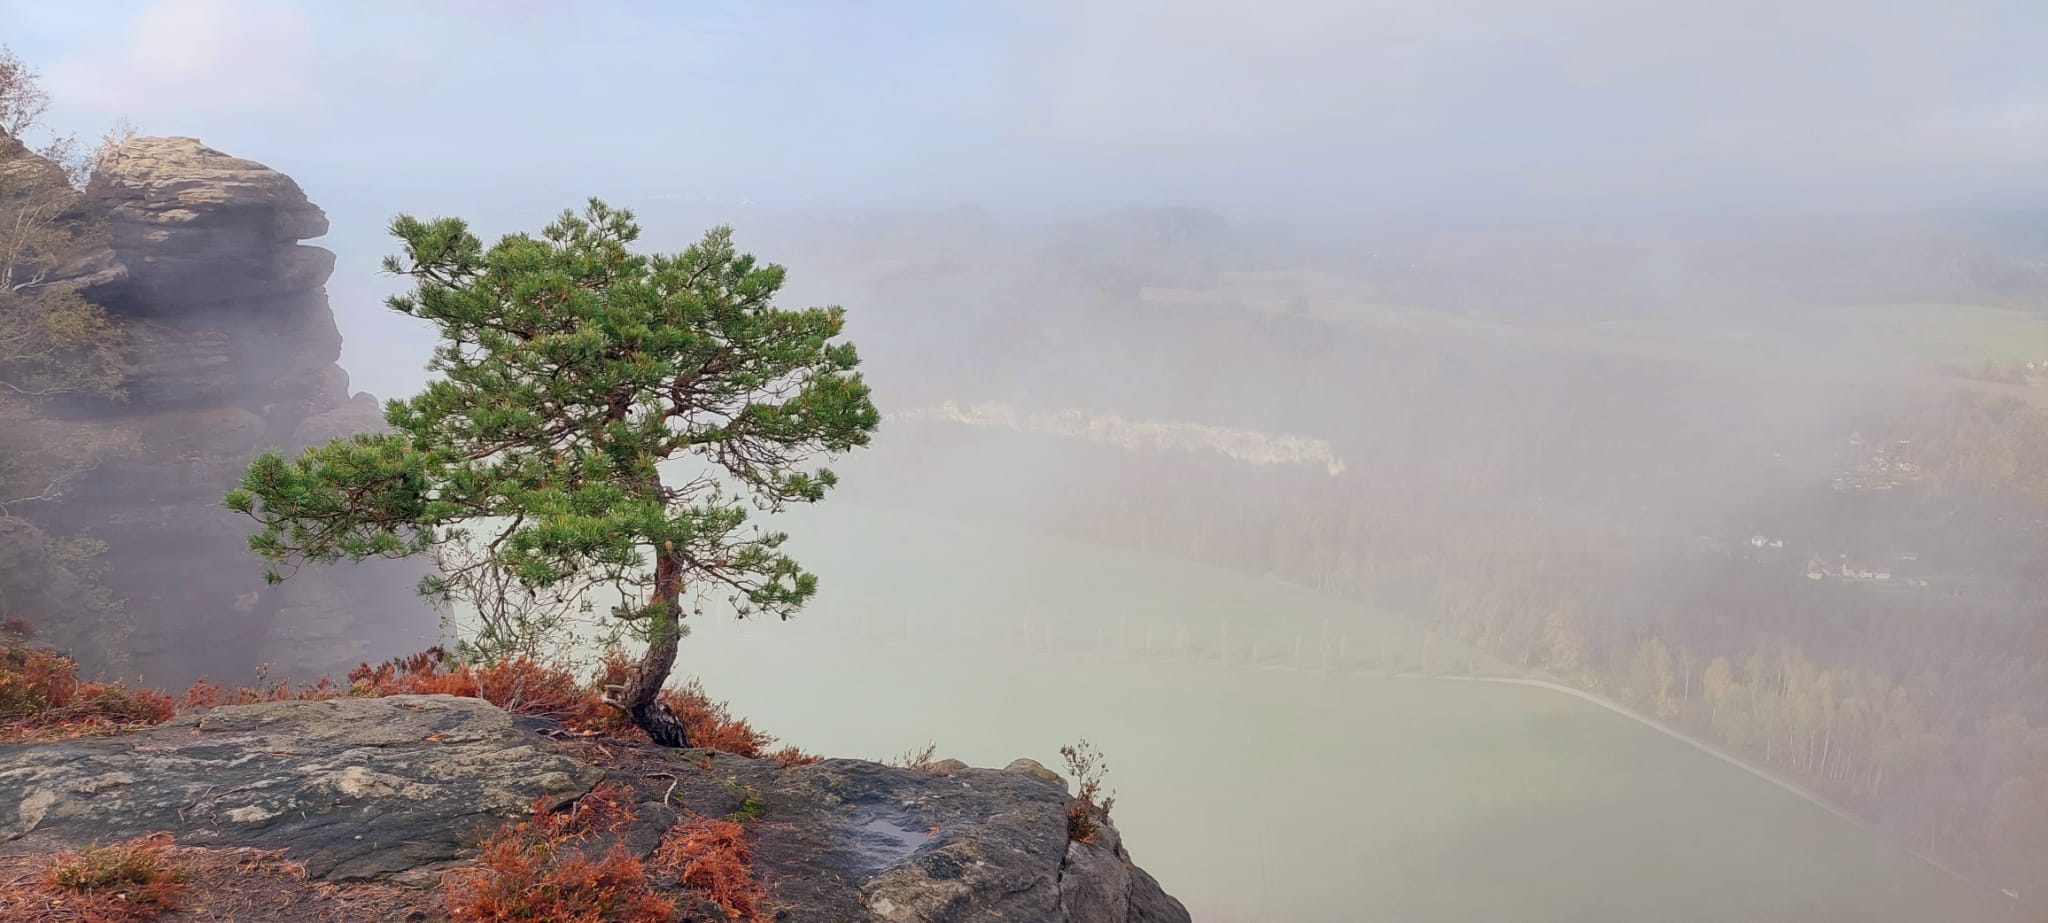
(538, 870)
(711, 857)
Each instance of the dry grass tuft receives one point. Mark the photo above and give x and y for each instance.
(711, 857)
(224, 884)
(519, 685)
(920, 760)
(791, 756)
(41, 698)
(124, 882)
(539, 871)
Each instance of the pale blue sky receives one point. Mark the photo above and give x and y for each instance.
(1334, 110)
(1282, 103)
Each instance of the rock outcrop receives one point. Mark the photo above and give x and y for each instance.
(231, 348)
(396, 788)
(354, 788)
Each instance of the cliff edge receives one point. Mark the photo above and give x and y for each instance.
(377, 798)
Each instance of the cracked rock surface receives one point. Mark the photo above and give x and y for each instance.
(400, 787)
(354, 788)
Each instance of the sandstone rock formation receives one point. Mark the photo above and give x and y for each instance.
(397, 787)
(231, 349)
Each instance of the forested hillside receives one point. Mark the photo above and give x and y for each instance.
(1832, 571)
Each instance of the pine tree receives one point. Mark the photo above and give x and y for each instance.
(602, 421)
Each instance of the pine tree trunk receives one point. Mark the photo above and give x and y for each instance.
(640, 696)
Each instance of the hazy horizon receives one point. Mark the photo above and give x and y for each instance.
(1320, 118)
(1308, 107)
(1577, 412)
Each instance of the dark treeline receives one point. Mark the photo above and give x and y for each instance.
(1918, 707)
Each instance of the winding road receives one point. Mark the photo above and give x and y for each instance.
(1780, 781)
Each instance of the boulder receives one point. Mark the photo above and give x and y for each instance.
(1035, 769)
(193, 223)
(176, 183)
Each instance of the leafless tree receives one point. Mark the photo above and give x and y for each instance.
(23, 101)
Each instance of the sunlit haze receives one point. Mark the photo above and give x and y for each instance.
(1462, 460)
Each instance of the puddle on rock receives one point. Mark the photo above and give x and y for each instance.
(885, 836)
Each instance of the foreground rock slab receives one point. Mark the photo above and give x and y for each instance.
(354, 788)
(397, 788)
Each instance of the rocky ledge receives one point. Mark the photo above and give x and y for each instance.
(401, 788)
